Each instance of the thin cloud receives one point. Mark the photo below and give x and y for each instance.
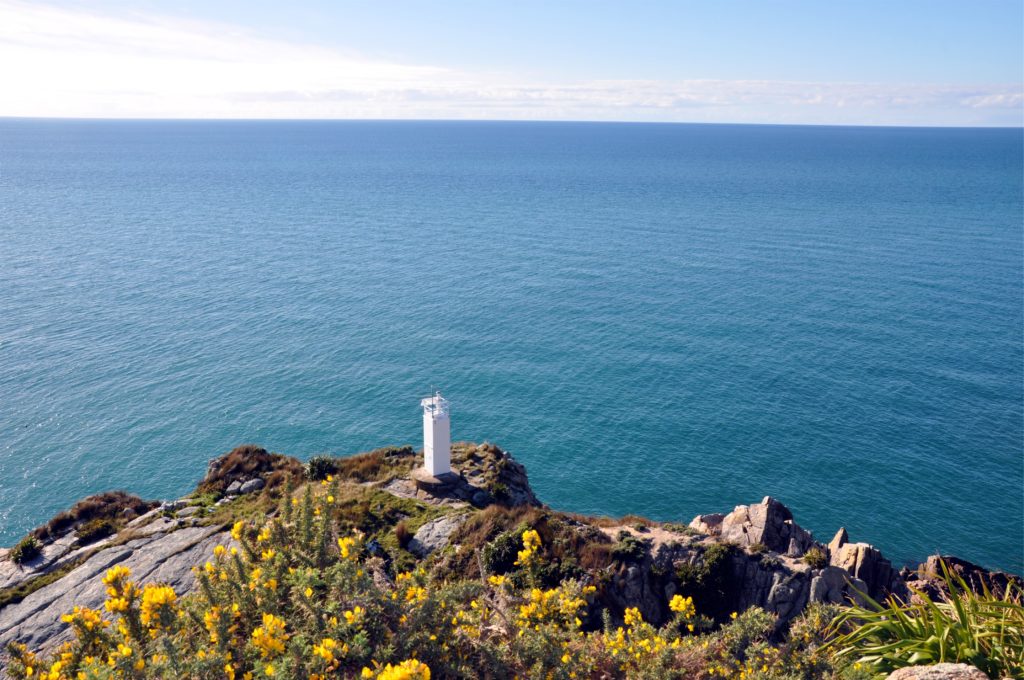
(63, 62)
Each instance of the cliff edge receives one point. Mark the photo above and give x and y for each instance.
(755, 555)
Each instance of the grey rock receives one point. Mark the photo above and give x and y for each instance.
(173, 506)
(434, 535)
(143, 519)
(708, 524)
(251, 486)
(941, 671)
(160, 557)
(927, 578)
(865, 562)
(189, 511)
(632, 586)
(13, 575)
(233, 487)
(769, 523)
(830, 585)
(788, 594)
(838, 541)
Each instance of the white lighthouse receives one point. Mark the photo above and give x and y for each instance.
(437, 436)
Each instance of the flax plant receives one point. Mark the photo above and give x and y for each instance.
(965, 627)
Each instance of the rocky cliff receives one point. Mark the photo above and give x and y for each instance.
(755, 555)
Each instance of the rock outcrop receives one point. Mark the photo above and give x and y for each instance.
(785, 584)
(866, 564)
(165, 554)
(927, 578)
(755, 555)
(769, 524)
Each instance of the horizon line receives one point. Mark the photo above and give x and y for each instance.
(225, 119)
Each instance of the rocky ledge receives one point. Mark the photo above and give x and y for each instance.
(755, 555)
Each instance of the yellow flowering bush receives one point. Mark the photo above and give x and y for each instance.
(303, 595)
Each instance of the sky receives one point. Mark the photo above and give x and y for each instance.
(837, 62)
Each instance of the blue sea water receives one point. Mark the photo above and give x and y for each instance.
(656, 319)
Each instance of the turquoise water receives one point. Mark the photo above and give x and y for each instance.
(656, 319)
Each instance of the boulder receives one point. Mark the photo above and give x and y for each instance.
(434, 535)
(941, 671)
(769, 523)
(251, 486)
(233, 487)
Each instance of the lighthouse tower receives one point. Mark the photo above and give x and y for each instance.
(437, 436)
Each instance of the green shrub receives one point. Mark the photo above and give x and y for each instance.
(205, 500)
(816, 558)
(500, 554)
(710, 581)
(758, 549)
(629, 548)
(318, 467)
(94, 530)
(27, 549)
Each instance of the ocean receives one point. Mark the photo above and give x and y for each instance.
(662, 320)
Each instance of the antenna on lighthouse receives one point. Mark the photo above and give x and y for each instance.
(437, 435)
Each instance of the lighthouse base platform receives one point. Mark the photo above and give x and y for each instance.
(441, 484)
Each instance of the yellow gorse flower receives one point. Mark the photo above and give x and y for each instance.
(345, 544)
(158, 605)
(682, 605)
(354, 615)
(328, 648)
(531, 543)
(410, 669)
(269, 638)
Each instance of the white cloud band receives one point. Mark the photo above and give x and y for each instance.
(60, 62)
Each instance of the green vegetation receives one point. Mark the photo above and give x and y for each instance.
(305, 596)
(319, 467)
(629, 548)
(978, 629)
(711, 579)
(26, 549)
(322, 585)
(26, 588)
(117, 507)
(816, 558)
(95, 529)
